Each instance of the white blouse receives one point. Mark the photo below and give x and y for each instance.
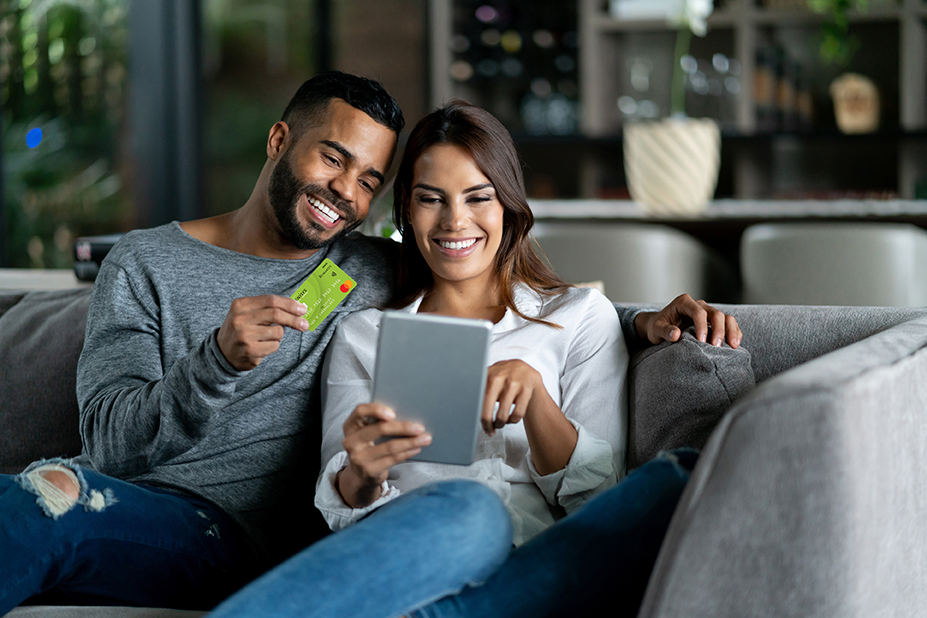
(583, 366)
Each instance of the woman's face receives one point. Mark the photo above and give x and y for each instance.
(455, 215)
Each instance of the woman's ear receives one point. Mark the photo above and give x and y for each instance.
(278, 140)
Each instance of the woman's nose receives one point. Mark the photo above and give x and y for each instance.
(455, 217)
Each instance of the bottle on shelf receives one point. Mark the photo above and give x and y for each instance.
(764, 88)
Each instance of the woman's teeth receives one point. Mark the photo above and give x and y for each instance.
(463, 244)
(327, 213)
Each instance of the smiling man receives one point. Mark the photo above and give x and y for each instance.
(198, 382)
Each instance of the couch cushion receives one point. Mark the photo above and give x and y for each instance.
(679, 392)
(41, 335)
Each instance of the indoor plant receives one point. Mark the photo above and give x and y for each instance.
(672, 164)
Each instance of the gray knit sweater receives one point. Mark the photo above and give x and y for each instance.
(159, 403)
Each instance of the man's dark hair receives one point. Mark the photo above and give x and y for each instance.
(309, 105)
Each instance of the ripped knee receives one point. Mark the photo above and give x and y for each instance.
(59, 486)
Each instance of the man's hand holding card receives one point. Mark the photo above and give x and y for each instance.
(255, 325)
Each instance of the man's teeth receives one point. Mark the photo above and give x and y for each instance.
(330, 215)
(463, 244)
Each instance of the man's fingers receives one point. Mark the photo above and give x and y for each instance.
(283, 317)
(732, 328)
(671, 332)
(699, 318)
(718, 324)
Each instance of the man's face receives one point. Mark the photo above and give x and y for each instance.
(321, 186)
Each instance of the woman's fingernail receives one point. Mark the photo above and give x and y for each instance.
(418, 428)
(426, 439)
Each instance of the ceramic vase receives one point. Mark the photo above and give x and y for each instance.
(672, 165)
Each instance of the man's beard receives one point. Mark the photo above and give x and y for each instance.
(285, 191)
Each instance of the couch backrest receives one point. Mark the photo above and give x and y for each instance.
(41, 335)
(42, 332)
(780, 337)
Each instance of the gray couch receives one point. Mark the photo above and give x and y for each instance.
(808, 499)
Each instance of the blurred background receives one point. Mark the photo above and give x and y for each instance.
(119, 114)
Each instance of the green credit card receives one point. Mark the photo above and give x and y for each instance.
(322, 291)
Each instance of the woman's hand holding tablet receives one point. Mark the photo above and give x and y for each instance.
(370, 456)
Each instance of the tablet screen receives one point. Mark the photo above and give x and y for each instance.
(432, 369)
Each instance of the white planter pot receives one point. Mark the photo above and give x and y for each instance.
(672, 165)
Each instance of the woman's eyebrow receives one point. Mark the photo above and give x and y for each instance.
(422, 185)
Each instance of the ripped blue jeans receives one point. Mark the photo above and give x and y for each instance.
(118, 544)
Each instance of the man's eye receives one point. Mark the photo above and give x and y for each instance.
(332, 160)
(367, 186)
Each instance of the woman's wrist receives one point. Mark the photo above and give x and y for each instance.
(353, 492)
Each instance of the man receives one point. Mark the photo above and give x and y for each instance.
(198, 378)
(198, 382)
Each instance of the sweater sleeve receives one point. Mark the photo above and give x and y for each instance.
(133, 415)
(594, 400)
(627, 315)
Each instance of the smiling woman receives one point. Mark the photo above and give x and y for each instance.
(456, 218)
(468, 161)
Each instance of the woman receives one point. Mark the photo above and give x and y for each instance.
(412, 540)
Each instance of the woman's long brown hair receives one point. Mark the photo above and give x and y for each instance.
(489, 143)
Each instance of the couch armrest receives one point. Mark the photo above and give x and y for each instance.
(810, 496)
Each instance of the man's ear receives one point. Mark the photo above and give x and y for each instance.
(278, 140)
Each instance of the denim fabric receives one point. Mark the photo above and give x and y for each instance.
(132, 546)
(596, 562)
(427, 544)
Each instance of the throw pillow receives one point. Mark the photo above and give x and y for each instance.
(41, 337)
(679, 392)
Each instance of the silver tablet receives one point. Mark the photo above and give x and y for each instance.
(432, 369)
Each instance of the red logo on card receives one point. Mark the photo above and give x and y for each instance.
(346, 287)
